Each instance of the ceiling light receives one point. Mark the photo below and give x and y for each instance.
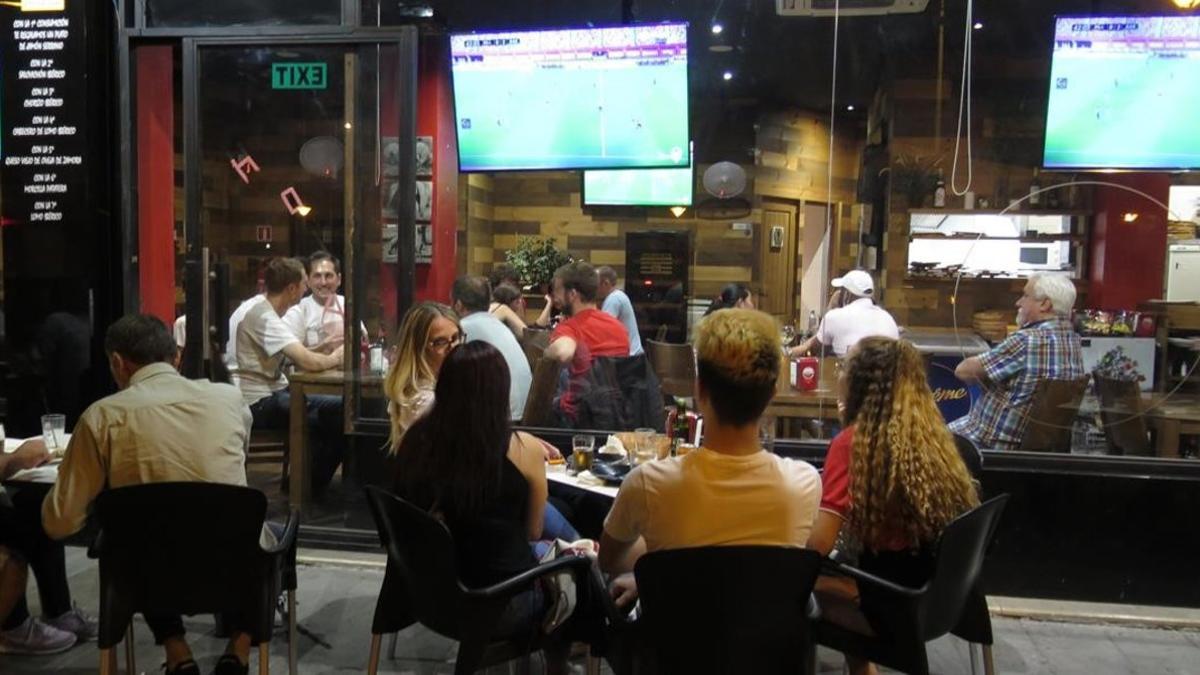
(678, 211)
(1187, 4)
(303, 210)
(720, 49)
(1130, 217)
(717, 28)
(850, 108)
(978, 25)
(727, 75)
(347, 125)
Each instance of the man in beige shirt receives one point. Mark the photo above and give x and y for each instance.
(160, 427)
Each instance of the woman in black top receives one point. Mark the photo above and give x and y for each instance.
(733, 296)
(463, 462)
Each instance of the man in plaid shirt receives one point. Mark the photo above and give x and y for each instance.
(1045, 347)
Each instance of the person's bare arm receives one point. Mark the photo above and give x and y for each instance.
(970, 370)
(30, 454)
(310, 361)
(543, 319)
(618, 557)
(805, 347)
(529, 459)
(562, 350)
(825, 532)
(515, 323)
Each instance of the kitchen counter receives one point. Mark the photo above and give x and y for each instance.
(945, 341)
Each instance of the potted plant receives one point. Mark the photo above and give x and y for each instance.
(535, 259)
(915, 177)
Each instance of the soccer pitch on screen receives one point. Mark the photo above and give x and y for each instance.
(587, 105)
(638, 187)
(1130, 108)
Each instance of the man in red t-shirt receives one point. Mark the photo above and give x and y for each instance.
(587, 332)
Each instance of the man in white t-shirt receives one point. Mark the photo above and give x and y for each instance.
(235, 320)
(262, 343)
(730, 492)
(471, 297)
(318, 318)
(852, 316)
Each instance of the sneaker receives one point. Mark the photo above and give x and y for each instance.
(76, 621)
(229, 664)
(187, 667)
(35, 638)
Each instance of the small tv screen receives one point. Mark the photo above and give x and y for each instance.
(580, 98)
(638, 187)
(1124, 91)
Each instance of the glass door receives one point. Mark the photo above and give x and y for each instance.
(297, 147)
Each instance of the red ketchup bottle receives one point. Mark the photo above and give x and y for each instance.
(805, 373)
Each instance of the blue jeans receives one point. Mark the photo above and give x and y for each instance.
(554, 526)
(326, 439)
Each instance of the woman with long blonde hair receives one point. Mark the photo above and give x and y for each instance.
(893, 478)
(429, 331)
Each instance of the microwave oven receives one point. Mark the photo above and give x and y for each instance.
(1051, 255)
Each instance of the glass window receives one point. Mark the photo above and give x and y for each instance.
(184, 13)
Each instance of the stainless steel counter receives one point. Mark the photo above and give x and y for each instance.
(946, 343)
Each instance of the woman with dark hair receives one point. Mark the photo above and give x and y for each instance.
(463, 462)
(893, 477)
(733, 296)
(508, 305)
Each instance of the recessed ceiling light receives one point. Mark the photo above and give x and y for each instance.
(727, 75)
(849, 108)
(978, 25)
(717, 28)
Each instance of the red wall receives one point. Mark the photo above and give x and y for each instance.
(1128, 259)
(156, 182)
(435, 117)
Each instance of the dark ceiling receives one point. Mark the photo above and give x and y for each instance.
(780, 62)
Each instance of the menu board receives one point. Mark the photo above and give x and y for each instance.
(43, 108)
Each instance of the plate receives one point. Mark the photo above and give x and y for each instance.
(610, 473)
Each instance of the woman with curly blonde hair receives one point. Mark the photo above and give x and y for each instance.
(429, 331)
(893, 479)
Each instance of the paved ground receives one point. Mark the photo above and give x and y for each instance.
(336, 604)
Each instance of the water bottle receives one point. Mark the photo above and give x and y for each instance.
(812, 322)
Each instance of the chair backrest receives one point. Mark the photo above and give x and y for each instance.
(539, 404)
(727, 609)
(675, 365)
(972, 458)
(1051, 414)
(180, 548)
(533, 353)
(1120, 412)
(960, 555)
(422, 550)
(618, 392)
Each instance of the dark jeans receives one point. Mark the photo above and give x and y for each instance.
(327, 442)
(21, 531)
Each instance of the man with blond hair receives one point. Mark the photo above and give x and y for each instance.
(730, 491)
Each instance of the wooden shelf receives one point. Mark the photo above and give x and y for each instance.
(1045, 239)
(995, 212)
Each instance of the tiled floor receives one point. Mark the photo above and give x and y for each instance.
(336, 605)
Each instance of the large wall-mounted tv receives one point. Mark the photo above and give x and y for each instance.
(580, 98)
(638, 187)
(1124, 93)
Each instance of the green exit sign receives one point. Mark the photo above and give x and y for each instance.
(298, 76)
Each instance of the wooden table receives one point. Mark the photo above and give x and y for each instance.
(820, 403)
(561, 477)
(1170, 415)
(300, 386)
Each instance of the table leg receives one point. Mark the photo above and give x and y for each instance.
(1168, 438)
(298, 480)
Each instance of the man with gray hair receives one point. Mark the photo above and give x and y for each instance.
(1045, 347)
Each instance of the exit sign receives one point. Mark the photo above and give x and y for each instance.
(298, 76)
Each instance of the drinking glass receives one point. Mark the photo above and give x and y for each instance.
(581, 447)
(646, 446)
(54, 428)
(766, 432)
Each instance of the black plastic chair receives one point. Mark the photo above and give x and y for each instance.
(190, 548)
(975, 624)
(422, 585)
(727, 609)
(903, 619)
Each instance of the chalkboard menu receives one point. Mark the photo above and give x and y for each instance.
(43, 112)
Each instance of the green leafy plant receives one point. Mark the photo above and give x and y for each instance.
(536, 258)
(915, 176)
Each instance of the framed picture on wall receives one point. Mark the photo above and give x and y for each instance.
(391, 243)
(777, 237)
(424, 201)
(424, 243)
(390, 189)
(423, 153)
(390, 154)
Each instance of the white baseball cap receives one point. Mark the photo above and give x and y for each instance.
(857, 282)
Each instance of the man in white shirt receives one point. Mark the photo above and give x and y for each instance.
(471, 297)
(160, 427)
(235, 320)
(317, 320)
(730, 492)
(262, 342)
(615, 302)
(852, 316)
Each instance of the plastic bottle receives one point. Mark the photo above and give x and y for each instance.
(812, 323)
(1035, 197)
(939, 193)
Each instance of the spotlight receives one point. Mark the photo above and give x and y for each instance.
(850, 108)
(1130, 217)
(303, 210)
(978, 25)
(717, 28)
(727, 75)
(678, 211)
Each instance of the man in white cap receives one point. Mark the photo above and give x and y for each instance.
(852, 315)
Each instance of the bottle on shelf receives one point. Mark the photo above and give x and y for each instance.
(812, 323)
(1035, 197)
(939, 193)
(376, 357)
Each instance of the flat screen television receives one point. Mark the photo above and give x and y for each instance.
(1124, 92)
(579, 98)
(638, 187)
